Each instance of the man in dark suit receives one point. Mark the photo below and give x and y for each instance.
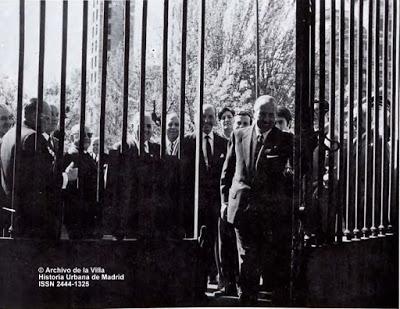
(150, 148)
(172, 138)
(252, 188)
(82, 213)
(211, 160)
(38, 210)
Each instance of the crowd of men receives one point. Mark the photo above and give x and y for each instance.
(243, 197)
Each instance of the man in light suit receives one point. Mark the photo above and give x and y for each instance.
(38, 211)
(172, 139)
(252, 188)
(6, 121)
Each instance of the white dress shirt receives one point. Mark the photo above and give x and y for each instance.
(256, 133)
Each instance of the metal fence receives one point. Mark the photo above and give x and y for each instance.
(347, 112)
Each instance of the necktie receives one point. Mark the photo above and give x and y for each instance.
(208, 150)
(171, 149)
(260, 142)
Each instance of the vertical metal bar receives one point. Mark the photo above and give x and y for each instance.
(332, 134)
(367, 171)
(350, 120)
(164, 80)
(257, 53)
(302, 100)
(183, 77)
(376, 121)
(143, 78)
(321, 116)
(344, 179)
(199, 129)
(103, 95)
(384, 180)
(83, 78)
(42, 29)
(309, 124)
(17, 151)
(127, 33)
(63, 79)
(393, 111)
(358, 163)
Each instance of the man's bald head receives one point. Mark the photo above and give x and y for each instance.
(30, 114)
(54, 118)
(172, 126)
(6, 119)
(209, 117)
(265, 112)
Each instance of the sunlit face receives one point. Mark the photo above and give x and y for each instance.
(208, 119)
(45, 118)
(54, 118)
(172, 127)
(6, 121)
(264, 114)
(95, 146)
(226, 121)
(281, 123)
(87, 137)
(241, 121)
(148, 128)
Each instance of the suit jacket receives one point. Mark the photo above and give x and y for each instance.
(258, 191)
(175, 149)
(142, 193)
(209, 198)
(87, 168)
(133, 149)
(38, 212)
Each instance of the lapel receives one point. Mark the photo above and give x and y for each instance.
(268, 143)
(247, 145)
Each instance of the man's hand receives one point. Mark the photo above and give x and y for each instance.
(224, 210)
(72, 172)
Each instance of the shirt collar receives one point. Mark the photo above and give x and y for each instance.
(175, 141)
(258, 132)
(46, 136)
(211, 135)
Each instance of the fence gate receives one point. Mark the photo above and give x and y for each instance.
(347, 124)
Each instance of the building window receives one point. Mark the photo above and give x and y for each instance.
(95, 76)
(95, 61)
(93, 31)
(109, 28)
(91, 77)
(97, 14)
(95, 47)
(109, 12)
(92, 47)
(109, 44)
(92, 62)
(96, 29)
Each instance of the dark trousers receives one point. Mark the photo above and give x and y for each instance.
(258, 242)
(228, 253)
